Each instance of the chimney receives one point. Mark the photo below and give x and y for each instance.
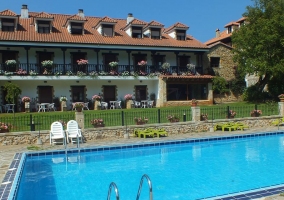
(130, 18)
(217, 33)
(81, 13)
(24, 11)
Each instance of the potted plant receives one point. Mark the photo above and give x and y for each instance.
(141, 120)
(255, 113)
(4, 127)
(194, 102)
(203, 117)
(231, 114)
(97, 123)
(63, 103)
(47, 63)
(96, 97)
(82, 62)
(142, 63)
(79, 107)
(127, 98)
(173, 118)
(113, 64)
(166, 66)
(281, 97)
(11, 64)
(27, 101)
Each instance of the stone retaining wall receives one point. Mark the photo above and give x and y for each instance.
(118, 132)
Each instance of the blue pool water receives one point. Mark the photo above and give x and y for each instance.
(177, 171)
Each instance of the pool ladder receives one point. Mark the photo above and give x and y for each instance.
(113, 185)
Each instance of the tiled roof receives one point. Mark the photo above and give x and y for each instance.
(138, 22)
(43, 15)
(154, 23)
(223, 35)
(187, 77)
(176, 25)
(219, 43)
(60, 34)
(108, 19)
(8, 13)
(231, 23)
(240, 20)
(77, 18)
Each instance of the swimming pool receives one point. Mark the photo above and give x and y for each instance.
(187, 169)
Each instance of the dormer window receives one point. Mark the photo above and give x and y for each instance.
(155, 33)
(180, 34)
(137, 32)
(107, 30)
(77, 28)
(43, 26)
(229, 29)
(8, 25)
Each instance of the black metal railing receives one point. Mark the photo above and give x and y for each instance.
(23, 69)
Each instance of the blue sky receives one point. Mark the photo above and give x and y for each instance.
(202, 16)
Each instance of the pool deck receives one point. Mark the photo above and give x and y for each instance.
(7, 152)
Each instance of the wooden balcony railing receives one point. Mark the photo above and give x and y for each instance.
(75, 69)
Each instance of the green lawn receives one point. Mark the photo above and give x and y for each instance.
(21, 121)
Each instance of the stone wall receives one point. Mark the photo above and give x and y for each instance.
(118, 132)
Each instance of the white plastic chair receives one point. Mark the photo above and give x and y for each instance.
(86, 105)
(137, 104)
(150, 104)
(51, 107)
(73, 132)
(56, 133)
(118, 104)
(104, 105)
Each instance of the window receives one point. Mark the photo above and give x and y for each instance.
(107, 30)
(180, 35)
(78, 93)
(8, 25)
(229, 29)
(214, 62)
(136, 32)
(155, 33)
(43, 26)
(76, 28)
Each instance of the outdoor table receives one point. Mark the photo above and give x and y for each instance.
(43, 107)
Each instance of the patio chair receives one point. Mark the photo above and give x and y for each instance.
(56, 134)
(104, 105)
(51, 107)
(86, 105)
(73, 132)
(277, 122)
(160, 132)
(137, 104)
(117, 104)
(144, 133)
(241, 125)
(150, 104)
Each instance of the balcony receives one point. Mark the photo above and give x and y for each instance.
(24, 69)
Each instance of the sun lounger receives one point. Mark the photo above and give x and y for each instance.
(160, 132)
(277, 122)
(241, 126)
(147, 132)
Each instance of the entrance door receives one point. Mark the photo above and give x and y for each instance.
(109, 94)
(45, 94)
(78, 93)
(140, 92)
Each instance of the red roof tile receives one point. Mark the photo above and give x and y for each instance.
(8, 13)
(28, 34)
(241, 19)
(176, 25)
(231, 23)
(43, 15)
(223, 35)
(154, 23)
(77, 18)
(107, 19)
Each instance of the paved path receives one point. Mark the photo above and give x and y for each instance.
(7, 152)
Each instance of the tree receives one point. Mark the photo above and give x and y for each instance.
(220, 85)
(259, 43)
(12, 92)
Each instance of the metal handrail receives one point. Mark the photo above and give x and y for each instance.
(112, 184)
(150, 187)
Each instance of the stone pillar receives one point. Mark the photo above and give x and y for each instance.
(128, 104)
(79, 117)
(63, 106)
(195, 112)
(27, 106)
(210, 93)
(281, 108)
(97, 105)
(162, 93)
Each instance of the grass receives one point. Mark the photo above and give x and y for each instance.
(21, 121)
